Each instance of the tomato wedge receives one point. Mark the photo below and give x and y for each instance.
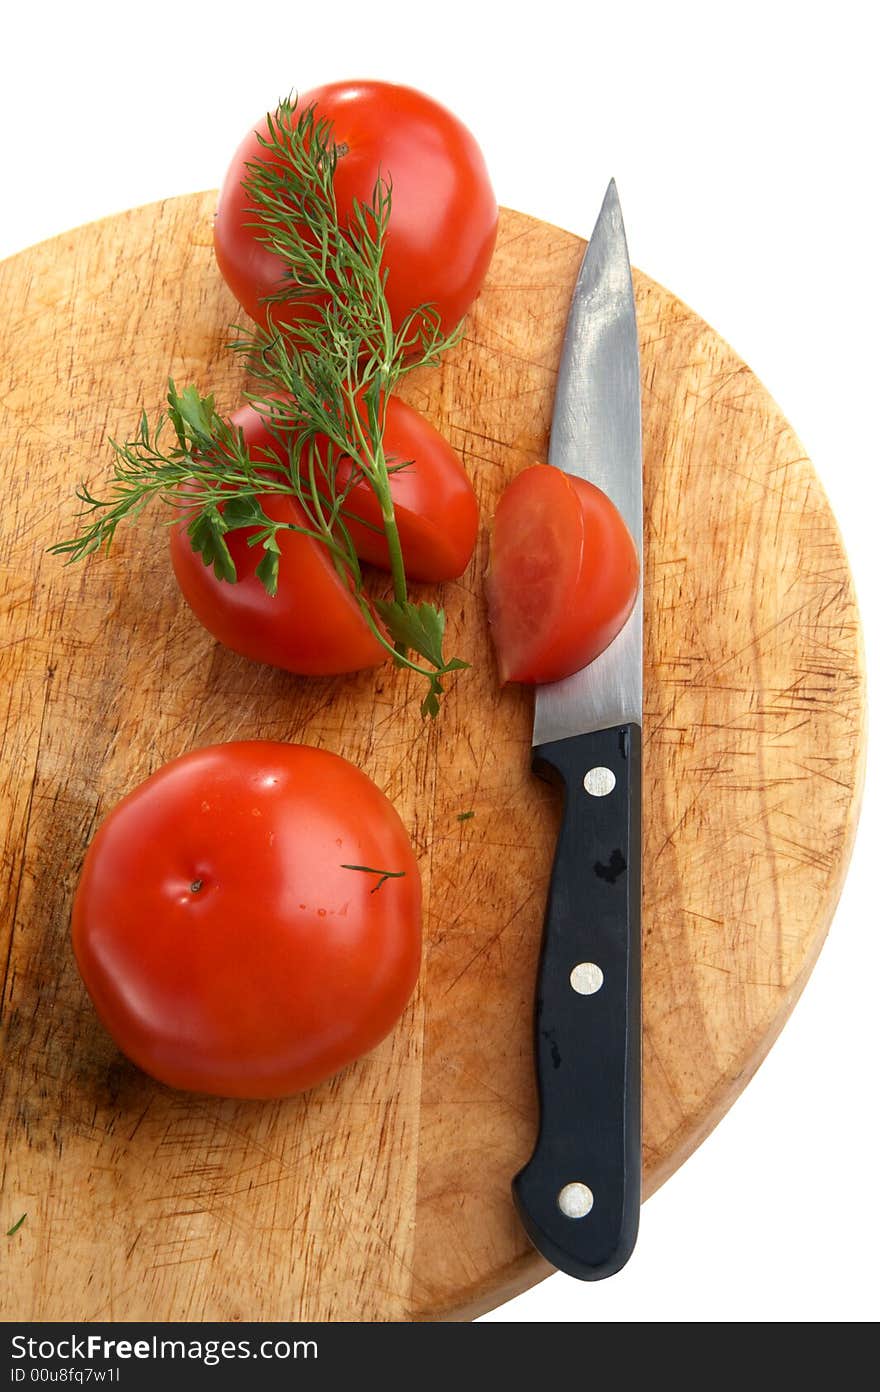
(563, 575)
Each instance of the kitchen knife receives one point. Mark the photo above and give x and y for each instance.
(578, 1196)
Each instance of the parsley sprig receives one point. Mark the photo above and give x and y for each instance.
(321, 387)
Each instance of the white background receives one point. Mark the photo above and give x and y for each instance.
(744, 141)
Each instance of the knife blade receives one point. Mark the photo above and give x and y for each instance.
(578, 1196)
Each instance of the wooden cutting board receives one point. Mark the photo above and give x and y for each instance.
(384, 1194)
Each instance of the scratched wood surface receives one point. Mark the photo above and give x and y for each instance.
(384, 1195)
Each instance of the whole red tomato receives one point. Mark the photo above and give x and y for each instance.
(225, 940)
(444, 217)
(563, 575)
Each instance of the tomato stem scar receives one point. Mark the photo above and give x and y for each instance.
(195, 886)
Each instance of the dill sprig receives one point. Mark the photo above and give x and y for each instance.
(322, 385)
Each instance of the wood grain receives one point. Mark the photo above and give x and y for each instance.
(385, 1193)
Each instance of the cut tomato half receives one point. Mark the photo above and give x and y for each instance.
(563, 575)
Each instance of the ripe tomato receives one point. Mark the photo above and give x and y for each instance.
(434, 501)
(226, 945)
(444, 217)
(563, 575)
(312, 625)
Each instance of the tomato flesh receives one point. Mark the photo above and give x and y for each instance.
(226, 947)
(444, 217)
(563, 575)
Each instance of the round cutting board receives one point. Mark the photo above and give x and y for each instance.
(384, 1194)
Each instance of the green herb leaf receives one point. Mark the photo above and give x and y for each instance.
(267, 571)
(416, 627)
(420, 628)
(207, 537)
(430, 707)
(192, 416)
(15, 1227)
(384, 874)
(243, 511)
(466, 816)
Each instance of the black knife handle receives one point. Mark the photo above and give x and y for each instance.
(588, 1046)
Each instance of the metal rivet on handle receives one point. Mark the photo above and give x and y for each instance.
(586, 978)
(575, 1200)
(599, 782)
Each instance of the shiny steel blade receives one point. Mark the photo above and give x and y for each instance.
(597, 433)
